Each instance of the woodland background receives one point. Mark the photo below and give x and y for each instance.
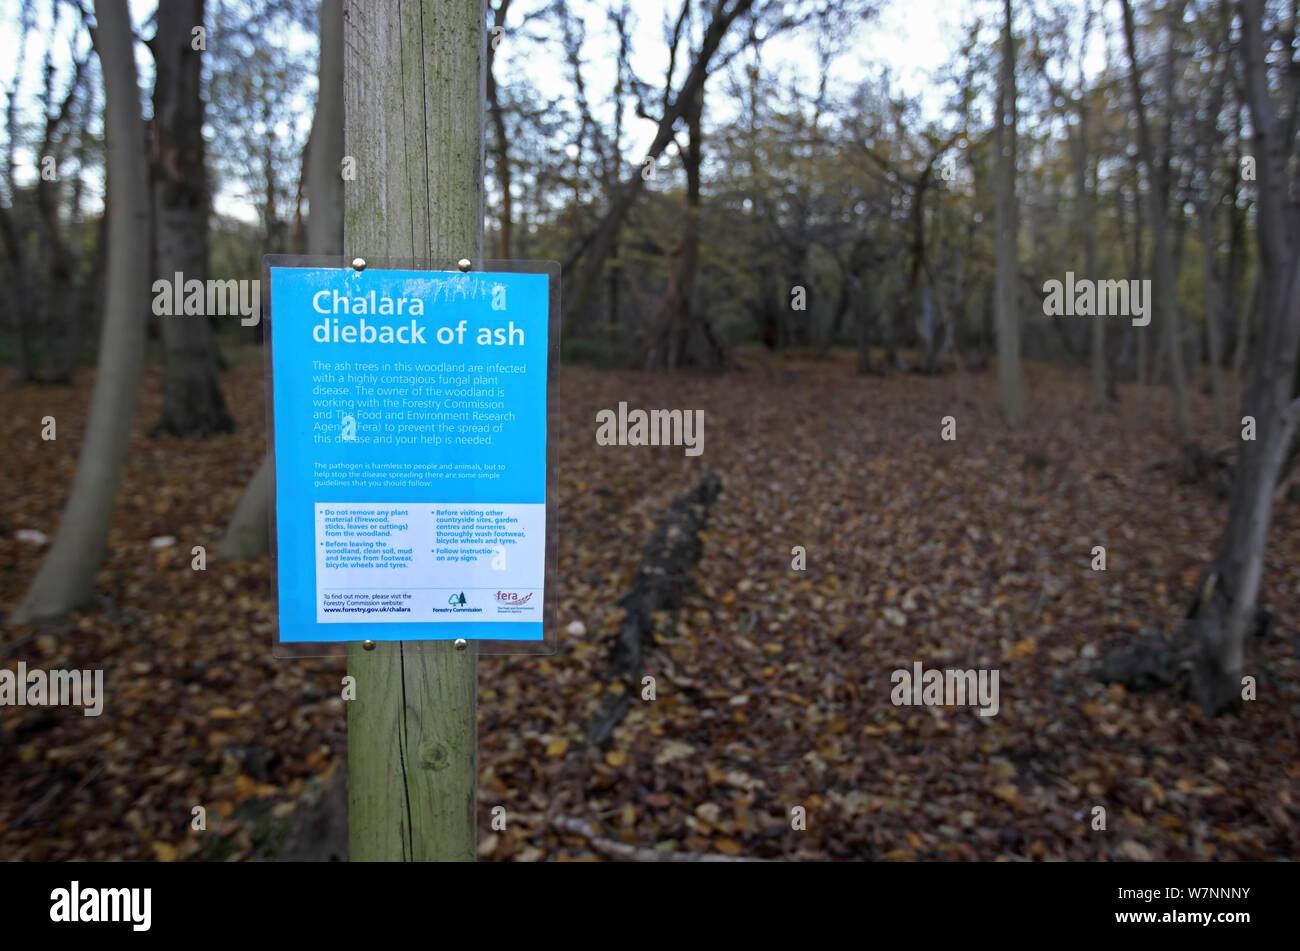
(827, 261)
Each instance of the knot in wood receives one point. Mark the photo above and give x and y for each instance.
(434, 756)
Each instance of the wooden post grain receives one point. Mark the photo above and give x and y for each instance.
(413, 118)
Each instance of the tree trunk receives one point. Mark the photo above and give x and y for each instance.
(1247, 316)
(414, 110)
(192, 403)
(1212, 309)
(678, 336)
(577, 306)
(1008, 311)
(865, 304)
(59, 259)
(1225, 611)
(502, 144)
(1164, 288)
(16, 290)
(248, 533)
(1086, 198)
(67, 575)
(1230, 297)
(324, 181)
(1215, 288)
(1137, 268)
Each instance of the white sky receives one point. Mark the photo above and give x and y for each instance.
(911, 38)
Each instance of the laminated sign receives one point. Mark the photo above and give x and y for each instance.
(408, 429)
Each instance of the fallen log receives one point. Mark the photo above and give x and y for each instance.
(661, 580)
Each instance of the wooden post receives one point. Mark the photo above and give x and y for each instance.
(414, 101)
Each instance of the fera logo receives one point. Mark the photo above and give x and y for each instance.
(513, 597)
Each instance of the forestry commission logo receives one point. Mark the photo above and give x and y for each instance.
(457, 603)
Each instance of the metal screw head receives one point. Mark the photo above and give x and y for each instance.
(461, 643)
(359, 264)
(368, 645)
(463, 264)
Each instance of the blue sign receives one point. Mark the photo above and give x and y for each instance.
(410, 453)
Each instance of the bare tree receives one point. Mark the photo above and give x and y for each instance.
(1207, 201)
(248, 534)
(193, 404)
(1210, 660)
(324, 179)
(66, 576)
(1005, 224)
(501, 144)
(677, 334)
(676, 103)
(1157, 168)
(44, 281)
(1225, 609)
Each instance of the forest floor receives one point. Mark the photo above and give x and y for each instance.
(773, 685)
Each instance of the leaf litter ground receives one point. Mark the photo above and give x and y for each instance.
(772, 685)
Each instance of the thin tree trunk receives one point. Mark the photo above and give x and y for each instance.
(192, 401)
(1225, 611)
(1215, 288)
(248, 533)
(1244, 321)
(1137, 269)
(324, 181)
(577, 305)
(1164, 288)
(1230, 298)
(12, 227)
(67, 575)
(16, 289)
(502, 144)
(1212, 307)
(861, 291)
(678, 336)
(1008, 311)
(1086, 199)
(58, 258)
